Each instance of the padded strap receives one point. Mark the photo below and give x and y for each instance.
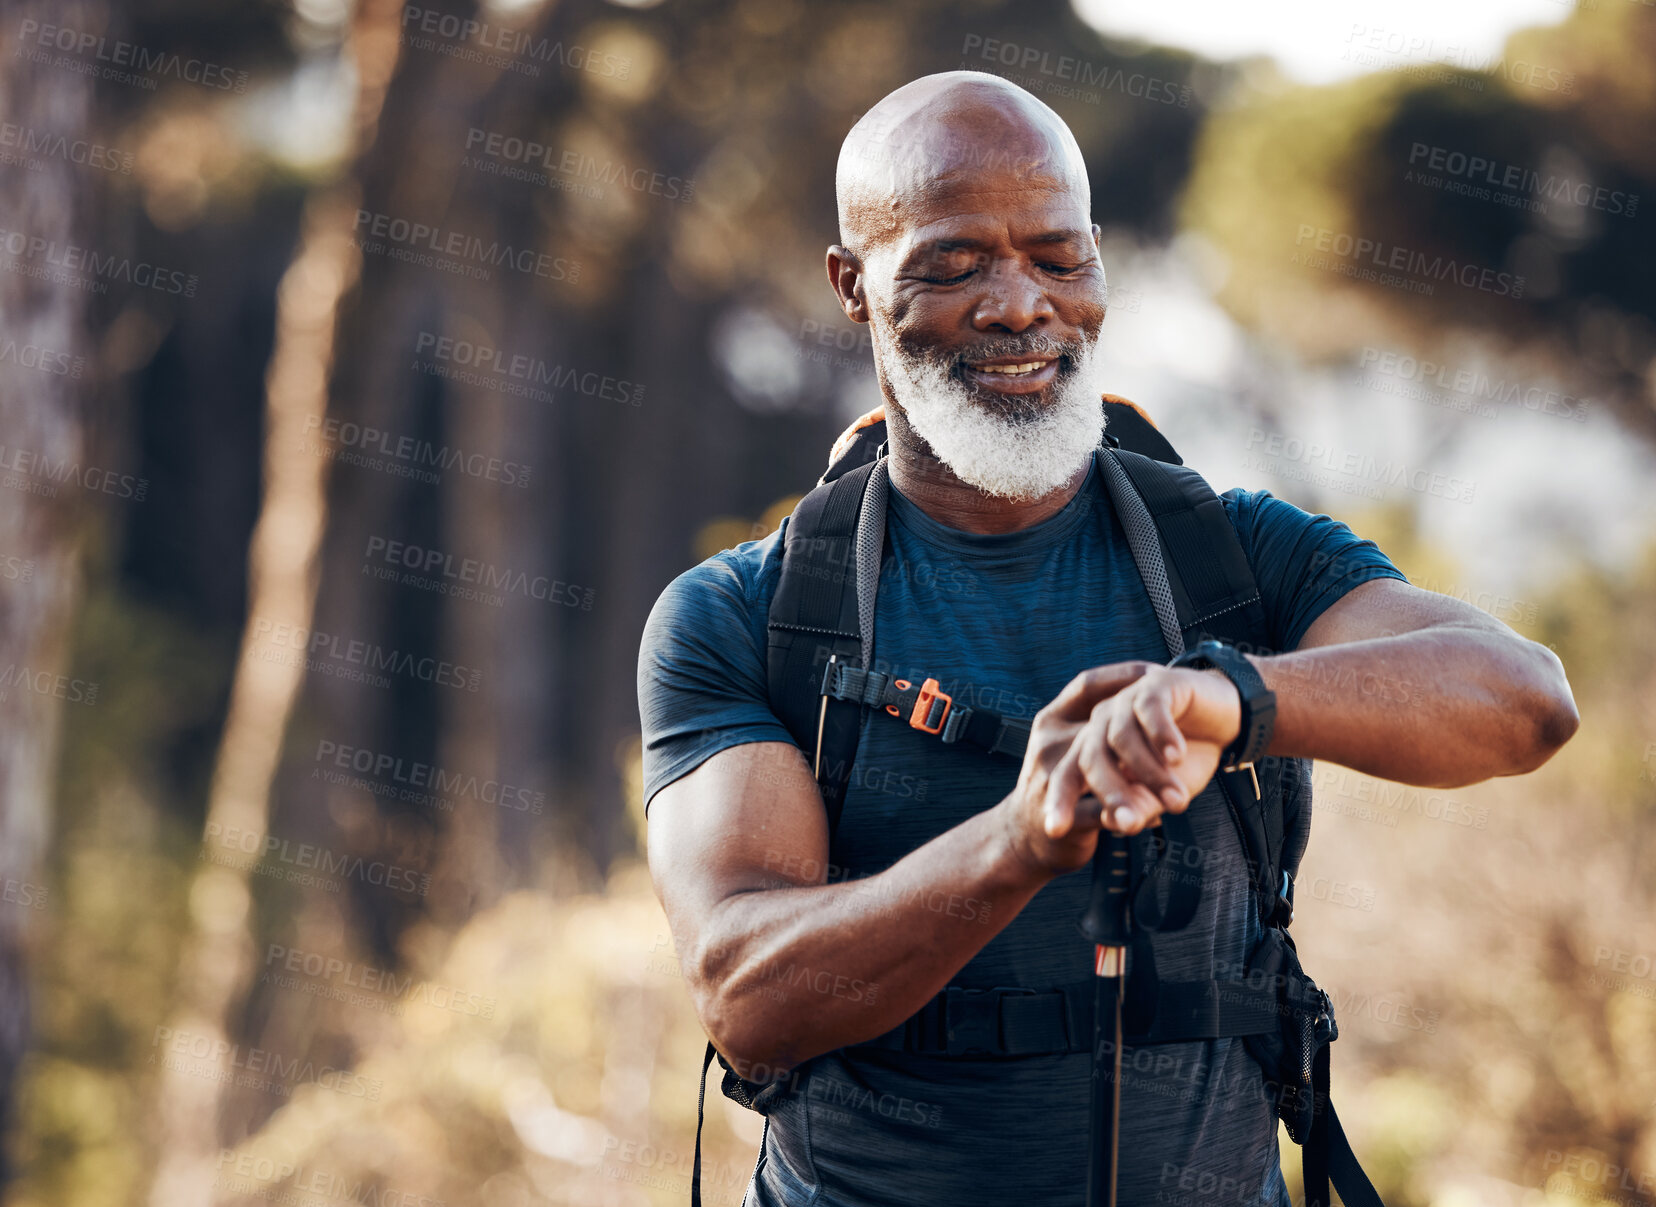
(1161, 874)
(1212, 585)
(1327, 1154)
(867, 551)
(815, 615)
(1142, 539)
(1002, 1021)
(701, 1102)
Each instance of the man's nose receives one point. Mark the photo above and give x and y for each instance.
(1013, 301)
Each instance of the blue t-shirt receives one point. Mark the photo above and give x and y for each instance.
(1002, 621)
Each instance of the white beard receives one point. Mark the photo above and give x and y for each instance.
(1013, 454)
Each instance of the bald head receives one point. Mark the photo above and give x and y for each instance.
(942, 132)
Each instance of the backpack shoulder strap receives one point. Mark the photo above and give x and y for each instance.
(823, 612)
(1202, 587)
(1213, 586)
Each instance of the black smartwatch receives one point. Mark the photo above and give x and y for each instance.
(1258, 701)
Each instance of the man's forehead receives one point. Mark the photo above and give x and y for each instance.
(923, 149)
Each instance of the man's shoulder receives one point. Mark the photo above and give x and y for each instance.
(738, 580)
(1245, 507)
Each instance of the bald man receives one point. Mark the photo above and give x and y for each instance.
(967, 246)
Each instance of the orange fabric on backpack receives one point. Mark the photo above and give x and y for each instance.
(1143, 414)
(850, 433)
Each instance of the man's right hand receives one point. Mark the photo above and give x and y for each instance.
(1071, 768)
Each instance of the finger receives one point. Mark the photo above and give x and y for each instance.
(1154, 711)
(1137, 811)
(1128, 806)
(1081, 693)
(1064, 787)
(1127, 742)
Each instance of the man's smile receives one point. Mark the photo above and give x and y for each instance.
(1009, 375)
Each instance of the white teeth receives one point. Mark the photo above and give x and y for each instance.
(1028, 367)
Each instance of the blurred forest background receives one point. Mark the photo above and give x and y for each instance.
(322, 878)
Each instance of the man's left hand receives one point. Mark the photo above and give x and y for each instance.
(1148, 747)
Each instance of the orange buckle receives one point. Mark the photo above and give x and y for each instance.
(929, 693)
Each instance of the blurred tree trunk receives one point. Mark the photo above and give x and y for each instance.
(216, 965)
(42, 423)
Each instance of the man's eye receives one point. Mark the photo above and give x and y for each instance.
(949, 280)
(1063, 269)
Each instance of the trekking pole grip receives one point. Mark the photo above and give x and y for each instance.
(1105, 920)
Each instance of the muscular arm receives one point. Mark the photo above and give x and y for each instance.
(1390, 680)
(1418, 688)
(783, 966)
(738, 851)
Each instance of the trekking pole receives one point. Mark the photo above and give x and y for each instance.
(1107, 924)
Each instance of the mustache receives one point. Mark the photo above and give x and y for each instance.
(1032, 345)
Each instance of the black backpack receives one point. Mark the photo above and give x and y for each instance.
(1199, 582)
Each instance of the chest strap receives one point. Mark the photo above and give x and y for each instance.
(926, 707)
(1023, 1022)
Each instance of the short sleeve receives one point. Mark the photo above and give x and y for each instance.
(701, 670)
(1302, 562)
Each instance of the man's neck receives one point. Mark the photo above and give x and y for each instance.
(935, 490)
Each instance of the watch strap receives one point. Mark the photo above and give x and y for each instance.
(1258, 702)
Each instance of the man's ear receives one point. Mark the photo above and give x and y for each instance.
(845, 274)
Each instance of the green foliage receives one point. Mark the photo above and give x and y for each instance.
(108, 944)
(1547, 173)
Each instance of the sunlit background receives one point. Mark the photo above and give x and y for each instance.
(367, 370)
